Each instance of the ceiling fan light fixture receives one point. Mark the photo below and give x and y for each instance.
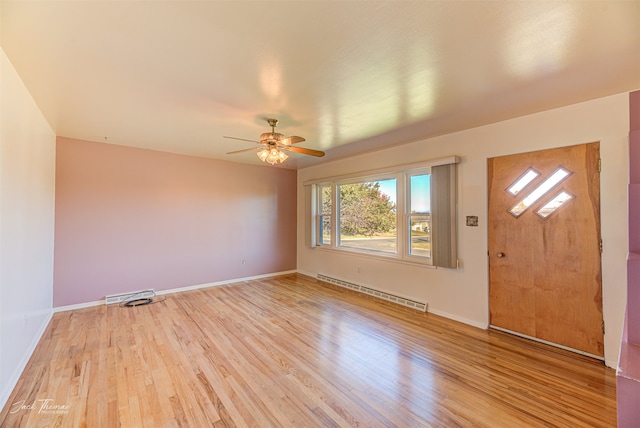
(262, 154)
(275, 145)
(272, 155)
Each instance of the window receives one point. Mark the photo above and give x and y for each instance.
(419, 215)
(325, 208)
(367, 215)
(406, 213)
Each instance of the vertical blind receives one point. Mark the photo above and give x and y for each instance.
(443, 216)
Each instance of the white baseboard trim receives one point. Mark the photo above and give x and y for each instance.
(312, 275)
(11, 384)
(219, 283)
(78, 306)
(467, 321)
(179, 289)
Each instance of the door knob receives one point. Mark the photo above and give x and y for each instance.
(500, 255)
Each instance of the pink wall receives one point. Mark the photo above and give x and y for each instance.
(633, 275)
(131, 219)
(628, 373)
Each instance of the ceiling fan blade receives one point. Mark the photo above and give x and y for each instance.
(241, 139)
(304, 151)
(294, 139)
(244, 150)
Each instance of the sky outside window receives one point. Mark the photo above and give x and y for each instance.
(420, 194)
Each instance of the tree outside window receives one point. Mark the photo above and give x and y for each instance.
(367, 213)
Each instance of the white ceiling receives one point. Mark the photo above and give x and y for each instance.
(348, 76)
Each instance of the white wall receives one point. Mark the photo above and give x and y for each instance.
(27, 176)
(463, 294)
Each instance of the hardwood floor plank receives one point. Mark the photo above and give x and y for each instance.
(291, 351)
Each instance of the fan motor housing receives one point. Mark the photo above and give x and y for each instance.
(271, 136)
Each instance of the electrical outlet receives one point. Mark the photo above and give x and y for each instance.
(358, 269)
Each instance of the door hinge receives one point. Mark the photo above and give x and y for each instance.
(599, 165)
(601, 247)
(602, 326)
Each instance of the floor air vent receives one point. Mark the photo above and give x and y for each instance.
(118, 298)
(420, 306)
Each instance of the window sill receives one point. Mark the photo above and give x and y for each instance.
(374, 256)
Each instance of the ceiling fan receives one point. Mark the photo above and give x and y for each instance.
(273, 146)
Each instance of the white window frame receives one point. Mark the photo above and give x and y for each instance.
(403, 175)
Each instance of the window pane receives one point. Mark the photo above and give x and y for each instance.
(368, 215)
(559, 200)
(325, 230)
(522, 182)
(420, 193)
(420, 235)
(326, 199)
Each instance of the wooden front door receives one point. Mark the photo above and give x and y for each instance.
(544, 246)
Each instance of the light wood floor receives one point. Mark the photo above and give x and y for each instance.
(291, 352)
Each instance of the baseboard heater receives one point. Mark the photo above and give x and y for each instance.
(420, 306)
(119, 298)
